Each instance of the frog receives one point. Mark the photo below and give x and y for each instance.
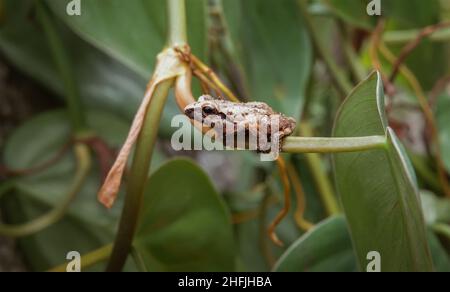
(263, 128)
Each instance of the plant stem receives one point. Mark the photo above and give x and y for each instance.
(177, 22)
(332, 145)
(321, 179)
(64, 67)
(89, 259)
(138, 177)
(83, 160)
(144, 147)
(428, 114)
(404, 36)
(343, 84)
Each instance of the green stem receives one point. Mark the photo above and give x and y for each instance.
(405, 36)
(342, 83)
(144, 147)
(83, 166)
(177, 22)
(89, 259)
(332, 145)
(65, 69)
(321, 180)
(351, 57)
(138, 177)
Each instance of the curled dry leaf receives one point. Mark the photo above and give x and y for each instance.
(168, 66)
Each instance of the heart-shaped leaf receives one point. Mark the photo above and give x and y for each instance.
(378, 188)
(185, 225)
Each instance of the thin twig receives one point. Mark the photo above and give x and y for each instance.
(209, 72)
(287, 202)
(83, 161)
(413, 44)
(342, 83)
(373, 52)
(7, 172)
(208, 83)
(321, 179)
(302, 223)
(428, 114)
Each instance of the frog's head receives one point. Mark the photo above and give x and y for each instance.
(205, 108)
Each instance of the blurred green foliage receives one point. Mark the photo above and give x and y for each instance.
(269, 56)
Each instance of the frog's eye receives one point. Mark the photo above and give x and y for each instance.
(209, 110)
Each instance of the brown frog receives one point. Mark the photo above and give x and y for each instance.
(262, 128)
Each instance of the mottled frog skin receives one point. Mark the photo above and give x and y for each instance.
(254, 118)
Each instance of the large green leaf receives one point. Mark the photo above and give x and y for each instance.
(440, 256)
(275, 48)
(103, 82)
(87, 224)
(378, 188)
(326, 248)
(185, 225)
(133, 31)
(353, 12)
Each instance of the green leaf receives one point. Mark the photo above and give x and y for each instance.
(103, 82)
(49, 247)
(275, 48)
(440, 257)
(49, 133)
(87, 224)
(326, 248)
(353, 12)
(133, 31)
(185, 225)
(435, 209)
(377, 188)
(256, 250)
